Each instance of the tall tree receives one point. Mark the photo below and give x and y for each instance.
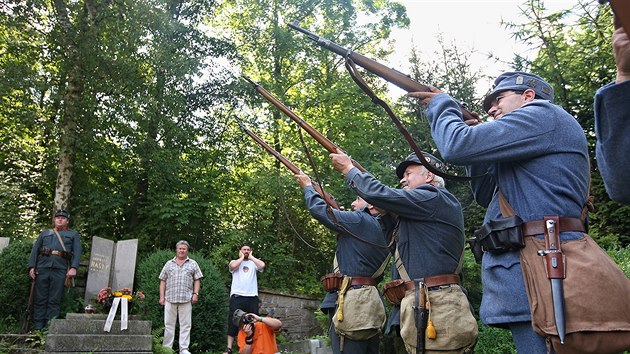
(127, 98)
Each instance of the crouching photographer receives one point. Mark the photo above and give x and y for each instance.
(257, 334)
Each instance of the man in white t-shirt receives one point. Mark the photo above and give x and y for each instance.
(244, 289)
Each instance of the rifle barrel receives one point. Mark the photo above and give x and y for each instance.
(272, 151)
(319, 137)
(327, 196)
(390, 75)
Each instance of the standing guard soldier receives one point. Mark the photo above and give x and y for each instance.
(54, 256)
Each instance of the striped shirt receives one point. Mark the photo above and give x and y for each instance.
(179, 280)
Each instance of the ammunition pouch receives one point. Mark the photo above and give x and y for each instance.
(331, 282)
(394, 291)
(498, 236)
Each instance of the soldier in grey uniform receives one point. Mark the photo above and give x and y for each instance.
(361, 250)
(49, 264)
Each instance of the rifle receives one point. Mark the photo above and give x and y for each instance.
(390, 75)
(330, 200)
(621, 13)
(325, 142)
(29, 309)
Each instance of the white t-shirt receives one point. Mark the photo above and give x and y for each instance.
(244, 280)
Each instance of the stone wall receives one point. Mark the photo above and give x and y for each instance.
(296, 312)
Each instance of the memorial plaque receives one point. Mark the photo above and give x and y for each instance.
(4, 242)
(124, 264)
(99, 270)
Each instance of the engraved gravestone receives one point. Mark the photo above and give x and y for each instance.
(112, 264)
(124, 264)
(99, 270)
(4, 242)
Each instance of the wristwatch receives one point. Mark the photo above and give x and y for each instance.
(196, 294)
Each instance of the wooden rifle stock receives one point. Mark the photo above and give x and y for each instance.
(390, 75)
(621, 12)
(29, 309)
(327, 197)
(325, 142)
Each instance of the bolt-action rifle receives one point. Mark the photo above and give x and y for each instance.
(29, 309)
(621, 12)
(330, 200)
(391, 75)
(325, 142)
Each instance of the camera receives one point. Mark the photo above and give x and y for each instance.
(247, 319)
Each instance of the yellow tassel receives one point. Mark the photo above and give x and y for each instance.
(340, 300)
(431, 334)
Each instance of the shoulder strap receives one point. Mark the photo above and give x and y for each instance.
(376, 274)
(401, 267)
(60, 240)
(504, 205)
(381, 269)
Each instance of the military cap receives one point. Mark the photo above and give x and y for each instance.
(412, 159)
(518, 81)
(63, 213)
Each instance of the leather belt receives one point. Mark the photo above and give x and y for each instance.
(46, 250)
(436, 280)
(537, 227)
(363, 281)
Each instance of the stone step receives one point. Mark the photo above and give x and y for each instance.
(98, 343)
(96, 316)
(95, 326)
(125, 352)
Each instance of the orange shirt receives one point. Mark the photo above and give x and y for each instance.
(264, 339)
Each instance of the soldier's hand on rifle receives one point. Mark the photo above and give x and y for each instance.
(425, 97)
(72, 272)
(342, 162)
(475, 121)
(32, 273)
(621, 50)
(303, 180)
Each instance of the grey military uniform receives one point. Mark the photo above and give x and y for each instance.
(51, 269)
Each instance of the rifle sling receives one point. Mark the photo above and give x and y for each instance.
(329, 207)
(358, 79)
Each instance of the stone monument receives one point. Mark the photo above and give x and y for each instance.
(112, 264)
(4, 242)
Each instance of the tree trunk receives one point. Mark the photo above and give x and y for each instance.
(71, 110)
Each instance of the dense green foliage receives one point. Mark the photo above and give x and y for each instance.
(15, 285)
(209, 315)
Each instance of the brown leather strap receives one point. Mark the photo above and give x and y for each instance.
(537, 227)
(363, 281)
(442, 279)
(48, 251)
(435, 280)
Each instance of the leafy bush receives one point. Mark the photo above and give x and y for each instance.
(16, 285)
(209, 316)
(493, 340)
(621, 256)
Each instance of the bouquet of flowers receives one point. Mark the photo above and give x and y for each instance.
(106, 297)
